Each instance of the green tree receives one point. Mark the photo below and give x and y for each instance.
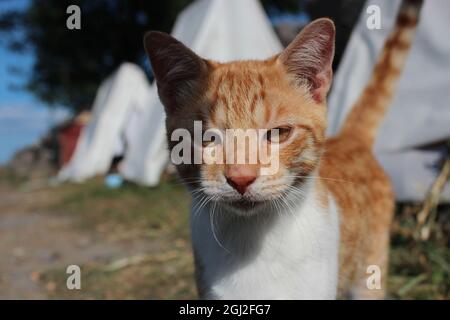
(70, 64)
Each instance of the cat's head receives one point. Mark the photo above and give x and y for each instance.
(286, 92)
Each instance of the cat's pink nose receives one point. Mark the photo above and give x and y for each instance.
(241, 176)
(241, 183)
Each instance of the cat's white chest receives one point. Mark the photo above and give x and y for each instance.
(295, 258)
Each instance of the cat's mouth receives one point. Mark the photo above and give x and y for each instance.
(245, 205)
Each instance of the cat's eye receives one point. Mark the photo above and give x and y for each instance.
(278, 134)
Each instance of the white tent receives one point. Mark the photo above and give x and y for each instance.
(127, 108)
(419, 116)
(119, 98)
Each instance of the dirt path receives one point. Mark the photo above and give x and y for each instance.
(32, 243)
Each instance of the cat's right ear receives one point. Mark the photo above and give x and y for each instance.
(310, 55)
(179, 72)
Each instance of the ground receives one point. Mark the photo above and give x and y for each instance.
(133, 243)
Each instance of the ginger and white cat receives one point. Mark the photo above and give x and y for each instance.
(310, 230)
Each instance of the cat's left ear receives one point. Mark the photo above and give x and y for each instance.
(179, 72)
(310, 55)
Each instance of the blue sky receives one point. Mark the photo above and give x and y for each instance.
(23, 119)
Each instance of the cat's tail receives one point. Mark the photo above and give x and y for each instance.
(368, 111)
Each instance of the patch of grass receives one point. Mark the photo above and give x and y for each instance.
(159, 214)
(163, 209)
(420, 269)
(167, 275)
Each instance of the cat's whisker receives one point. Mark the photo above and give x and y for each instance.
(195, 207)
(320, 178)
(198, 207)
(198, 191)
(213, 229)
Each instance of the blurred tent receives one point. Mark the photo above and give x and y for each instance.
(128, 117)
(68, 135)
(412, 140)
(122, 103)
